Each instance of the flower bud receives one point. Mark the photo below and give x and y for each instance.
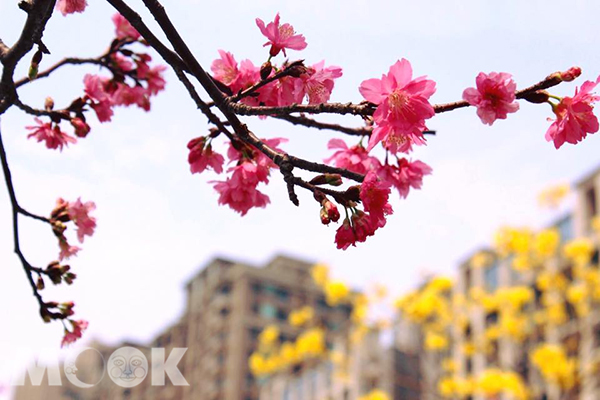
(324, 216)
(541, 96)
(327, 179)
(49, 103)
(332, 212)
(570, 74)
(265, 70)
(40, 283)
(81, 127)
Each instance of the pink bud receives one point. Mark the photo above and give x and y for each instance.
(571, 74)
(81, 128)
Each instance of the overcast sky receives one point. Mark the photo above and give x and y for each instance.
(158, 224)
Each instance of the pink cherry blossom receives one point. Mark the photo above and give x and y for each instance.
(80, 215)
(95, 90)
(155, 79)
(66, 250)
(72, 336)
(344, 236)
(402, 106)
(494, 96)
(574, 116)
(202, 157)
(71, 6)
(355, 158)
(126, 95)
(122, 62)
(280, 37)
(225, 69)
(361, 227)
(123, 28)
(51, 135)
(374, 194)
(318, 83)
(239, 191)
(405, 175)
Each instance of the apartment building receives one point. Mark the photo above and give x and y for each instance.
(579, 335)
(228, 305)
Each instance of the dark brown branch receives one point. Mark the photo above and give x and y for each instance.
(287, 71)
(311, 123)
(329, 108)
(38, 14)
(16, 209)
(66, 61)
(548, 82)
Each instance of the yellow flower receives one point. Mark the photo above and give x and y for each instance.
(287, 353)
(481, 260)
(375, 395)
(301, 316)
(336, 292)
(310, 343)
(554, 365)
(577, 294)
(435, 341)
(320, 274)
(579, 250)
(553, 196)
(257, 364)
(469, 349)
(448, 365)
(596, 224)
(546, 243)
(269, 335)
(440, 284)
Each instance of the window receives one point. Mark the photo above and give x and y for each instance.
(565, 228)
(267, 311)
(590, 200)
(281, 315)
(491, 277)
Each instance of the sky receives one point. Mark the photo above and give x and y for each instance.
(158, 224)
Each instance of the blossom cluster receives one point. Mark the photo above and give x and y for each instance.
(102, 93)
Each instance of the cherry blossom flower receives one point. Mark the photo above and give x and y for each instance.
(574, 116)
(239, 191)
(355, 158)
(123, 28)
(126, 95)
(72, 336)
(66, 250)
(361, 227)
(374, 194)
(494, 96)
(318, 83)
(71, 6)
(79, 213)
(402, 106)
(405, 175)
(155, 80)
(225, 69)
(280, 37)
(95, 90)
(122, 62)
(51, 135)
(202, 157)
(344, 236)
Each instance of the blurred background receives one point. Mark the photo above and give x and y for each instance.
(160, 230)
